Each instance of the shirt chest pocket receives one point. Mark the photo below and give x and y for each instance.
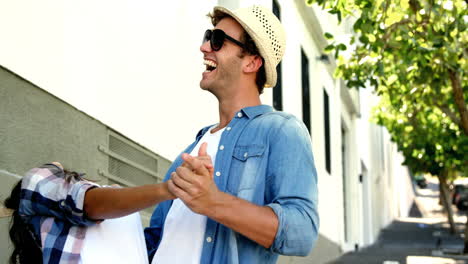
(246, 167)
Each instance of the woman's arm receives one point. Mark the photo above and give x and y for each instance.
(104, 203)
(108, 202)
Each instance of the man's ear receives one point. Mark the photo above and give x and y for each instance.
(254, 62)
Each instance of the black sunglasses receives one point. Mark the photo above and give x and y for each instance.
(217, 37)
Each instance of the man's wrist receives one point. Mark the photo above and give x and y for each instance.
(220, 203)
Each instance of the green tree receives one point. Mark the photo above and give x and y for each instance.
(428, 139)
(414, 54)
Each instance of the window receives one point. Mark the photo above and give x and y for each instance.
(326, 125)
(278, 89)
(305, 90)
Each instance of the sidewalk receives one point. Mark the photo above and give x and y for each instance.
(422, 238)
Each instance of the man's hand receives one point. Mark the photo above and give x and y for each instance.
(202, 156)
(193, 182)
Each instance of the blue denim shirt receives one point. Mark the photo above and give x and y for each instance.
(264, 157)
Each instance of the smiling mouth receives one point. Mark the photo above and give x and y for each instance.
(210, 65)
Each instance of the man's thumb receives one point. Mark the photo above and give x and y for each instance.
(202, 150)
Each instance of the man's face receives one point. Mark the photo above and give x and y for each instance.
(223, 67)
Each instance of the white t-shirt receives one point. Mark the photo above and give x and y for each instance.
(184, 230)
(117, 241)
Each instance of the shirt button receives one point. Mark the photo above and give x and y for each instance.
(228, 128)
(218, 173)
(246, 154)
(208, 239)
(221, 147)
(239, 114)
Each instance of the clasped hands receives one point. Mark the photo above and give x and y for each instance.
(193, 182)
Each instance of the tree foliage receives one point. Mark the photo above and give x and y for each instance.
(414, 54)
(428, 139)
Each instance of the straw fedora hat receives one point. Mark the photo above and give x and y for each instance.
(266, 31)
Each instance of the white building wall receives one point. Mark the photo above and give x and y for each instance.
(136, 67)
(390, 192)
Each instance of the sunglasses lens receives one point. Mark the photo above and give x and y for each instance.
(217, 39)
(207, 36)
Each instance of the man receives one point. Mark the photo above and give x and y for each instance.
(258, 197)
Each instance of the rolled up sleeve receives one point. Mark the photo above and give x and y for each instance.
(292, 189)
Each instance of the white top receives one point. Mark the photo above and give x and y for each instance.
(116, 241)
(184, 230)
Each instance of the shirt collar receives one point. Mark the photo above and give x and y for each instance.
(254, 111)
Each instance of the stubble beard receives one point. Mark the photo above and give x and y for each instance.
(226, 74)
(223, 78)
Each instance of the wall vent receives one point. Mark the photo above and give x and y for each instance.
(129, 163)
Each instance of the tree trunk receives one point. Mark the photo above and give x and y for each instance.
(459, 100)
(441, 196)
(445, 200)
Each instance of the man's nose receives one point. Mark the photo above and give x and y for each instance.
(205, 46)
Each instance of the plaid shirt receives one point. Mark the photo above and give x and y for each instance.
(53, 207)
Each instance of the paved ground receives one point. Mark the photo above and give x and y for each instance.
(422, 238)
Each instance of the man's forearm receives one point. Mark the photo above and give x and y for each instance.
(258, 223)
(104, 203)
